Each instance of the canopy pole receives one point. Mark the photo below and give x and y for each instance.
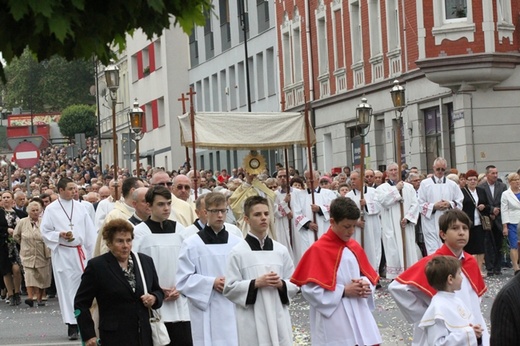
(183, 100)
(289, 220)
(192, 124)
(309, 153)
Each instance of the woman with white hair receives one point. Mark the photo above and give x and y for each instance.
(35, 255)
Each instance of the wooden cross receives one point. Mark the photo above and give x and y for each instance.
(191, 93)
(183, 100)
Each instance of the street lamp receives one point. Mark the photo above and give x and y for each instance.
(363, 115)
(136, 123)
(112, 80)
(398, 99)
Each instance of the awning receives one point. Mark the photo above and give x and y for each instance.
(236, 130)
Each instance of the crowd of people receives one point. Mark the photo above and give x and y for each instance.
(205, 247)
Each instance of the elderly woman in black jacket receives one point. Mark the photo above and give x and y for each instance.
(114, 280)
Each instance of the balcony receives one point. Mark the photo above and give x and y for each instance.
(478, 70)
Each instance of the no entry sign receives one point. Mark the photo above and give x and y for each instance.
(26, 155)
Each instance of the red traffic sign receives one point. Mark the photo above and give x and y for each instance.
(26, 155)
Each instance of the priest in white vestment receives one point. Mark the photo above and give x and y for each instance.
(201, 278)
(305, 226)
(257, 281)
(391, 195)
(69, 233)
(283, 215)
(436, 195)
(338, 281)
(369, 224)
(161, 239)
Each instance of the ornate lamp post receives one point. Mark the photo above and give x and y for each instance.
(112, 80)
(363, 117)
(398, 99)
(136, 123)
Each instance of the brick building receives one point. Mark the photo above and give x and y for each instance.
(458, 60)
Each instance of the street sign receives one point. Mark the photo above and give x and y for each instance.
(26, 155)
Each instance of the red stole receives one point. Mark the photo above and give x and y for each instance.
(416, 276)
(320, 262)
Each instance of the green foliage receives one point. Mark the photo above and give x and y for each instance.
(78, 119)
(83, 28)
(51, 85)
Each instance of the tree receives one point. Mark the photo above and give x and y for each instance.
(83, 28)
(78, 119)
(49, 86)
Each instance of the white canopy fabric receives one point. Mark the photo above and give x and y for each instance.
(234, 130)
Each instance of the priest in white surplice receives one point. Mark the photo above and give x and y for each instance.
(161, 239)
(370, 223)
(201, 278)
(257, 281)
(390, 198)
(283, 216)
(69, 232)
(304, 211)
(436, 195)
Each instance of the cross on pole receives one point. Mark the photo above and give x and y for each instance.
(192, 123)
(183, 100)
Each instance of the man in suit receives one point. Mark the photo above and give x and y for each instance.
(493, 239)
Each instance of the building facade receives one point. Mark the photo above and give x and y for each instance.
(457, 59)
(224, 80)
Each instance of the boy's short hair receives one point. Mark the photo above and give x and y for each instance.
(252, 201)
(157, 190)
(450, 217)
(213, 199)
(343, 208)
(439, 268)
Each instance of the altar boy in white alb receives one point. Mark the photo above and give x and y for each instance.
(161, 239)
(69, 232)
(258, 273)
(201, 277)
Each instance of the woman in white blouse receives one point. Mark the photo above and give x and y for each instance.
(510, 210)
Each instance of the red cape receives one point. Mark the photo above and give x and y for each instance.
(416, 276)
(320, 262)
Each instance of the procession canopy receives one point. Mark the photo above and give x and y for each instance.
(236, 130)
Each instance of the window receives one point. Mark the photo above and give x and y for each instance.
(208, 37)
(161, 114)
(262, 11)
(297, 48)
(355, 26)
(287, 61)
(260, 75)
(452, 20)
(225, 28)
(455, 10)
(157, 50)
(323, 56)
(505, 24)
(214, 93)
(232, 88)
(194, 49)
(433, 130)
(271, 72)
(453, 158)
(224, 92)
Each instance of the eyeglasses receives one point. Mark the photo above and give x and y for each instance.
(217, 211)
(185, 187)
(440, 169)
(168, 183)
(274, 187)
(281, 176)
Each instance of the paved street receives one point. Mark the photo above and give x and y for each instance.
(26, 326)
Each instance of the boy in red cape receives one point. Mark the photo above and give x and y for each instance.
(411, 290)
(338, 281)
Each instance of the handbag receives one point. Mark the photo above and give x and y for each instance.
(160, 335)
(484, 219)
